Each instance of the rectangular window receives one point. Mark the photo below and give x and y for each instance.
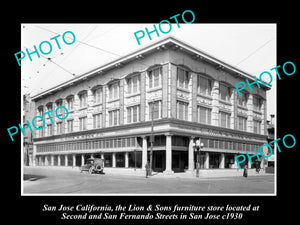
(155, 77)
(224, 119)
(97, 94)
(204, 115)
(242, 123)
(49, 129)
(156, 107)
(41, 132)
(83, 100)
(97, 120)
(82, 123)
(256, 126)
(59, 128)
(70, 126)
(204, 85)
(133, 84)
(182, 110)
(133, 114)
(113, 90)
(224, 92)
(114, 117)
(182, 78)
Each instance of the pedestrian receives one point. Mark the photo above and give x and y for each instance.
(257, 167)
(147, 166)
(245, 171)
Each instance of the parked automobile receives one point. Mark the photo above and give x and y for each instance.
(93, 165)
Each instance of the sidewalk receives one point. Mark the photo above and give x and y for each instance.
(203, 173)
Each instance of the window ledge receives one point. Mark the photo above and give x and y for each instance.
(82, 108)
(258, 112)
(205, 96)
(113, 100)
(183, 89)
(225, 102)
(97, 104)
(154, 88)
(132, 94)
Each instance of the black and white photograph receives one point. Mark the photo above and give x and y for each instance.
(127, 109)
(132, 114)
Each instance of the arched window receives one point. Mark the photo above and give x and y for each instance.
(133, 83)
(49, 106)
(243, 99)
(40, 110)
(70, 102)
(114, 90)
(154, 76)
(224, 92)
(82, 99)
(204, 85)
(97, 95)
(183, 78)
(257, 103)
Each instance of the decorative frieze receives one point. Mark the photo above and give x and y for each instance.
(204, 101)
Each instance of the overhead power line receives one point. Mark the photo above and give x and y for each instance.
(256, 50)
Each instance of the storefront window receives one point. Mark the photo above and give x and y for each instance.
(135, 159)
(108, 159)
(214, 160)
(120, 159)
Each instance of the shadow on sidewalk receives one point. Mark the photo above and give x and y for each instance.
(31, 177)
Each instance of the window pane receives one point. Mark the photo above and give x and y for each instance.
(134, 116)
(115, 117)
(180, 77)
(150, 79)
(186, 79)
(224, 92)
(129, 84)
(202, 115)
(156, 77)
(156, 109)
(129, 115)
(135, 83)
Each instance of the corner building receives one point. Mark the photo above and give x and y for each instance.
(189, 94)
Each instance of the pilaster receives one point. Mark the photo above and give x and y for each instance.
(250, 113)
(121, 103)
(168, 154)
(143, 95)
(194, 78)
(191, 155)
(215, 104)
(165, 89)
(144, 151)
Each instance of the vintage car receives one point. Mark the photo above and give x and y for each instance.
(93, 165)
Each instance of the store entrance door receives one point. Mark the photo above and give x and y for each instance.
(179, 161)
(159, 161)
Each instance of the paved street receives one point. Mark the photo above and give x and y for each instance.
(47, 180)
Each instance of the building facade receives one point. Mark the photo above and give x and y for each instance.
(188, 94)
(28, 115)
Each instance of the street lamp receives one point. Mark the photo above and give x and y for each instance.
(197, 146)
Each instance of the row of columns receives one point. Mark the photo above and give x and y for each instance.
(168, 158)
(168, 153)
(66, 161)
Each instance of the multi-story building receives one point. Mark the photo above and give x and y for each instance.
(188, 93)
(28, 115)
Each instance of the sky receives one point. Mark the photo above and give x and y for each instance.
(249, 47)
